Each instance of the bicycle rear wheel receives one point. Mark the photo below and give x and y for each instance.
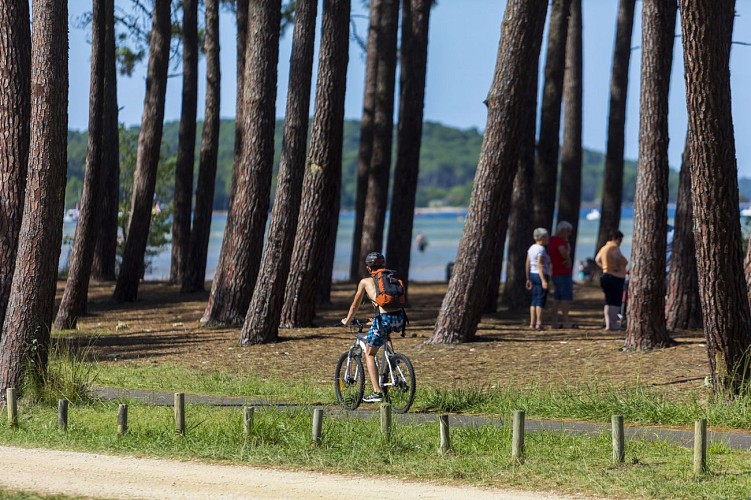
(349, 381)
(402, 393)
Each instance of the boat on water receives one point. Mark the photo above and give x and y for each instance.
(746, 212)
(593, 214)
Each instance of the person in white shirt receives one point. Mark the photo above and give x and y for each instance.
(537, 270)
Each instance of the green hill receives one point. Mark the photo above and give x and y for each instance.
(448, 161)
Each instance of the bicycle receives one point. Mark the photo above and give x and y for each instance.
(395, 372)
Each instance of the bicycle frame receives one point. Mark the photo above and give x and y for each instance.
(396, 376)
(385, 362)
(385, 379)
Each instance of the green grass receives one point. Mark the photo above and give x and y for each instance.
(481, 456)
(590, 402)
(174, 378)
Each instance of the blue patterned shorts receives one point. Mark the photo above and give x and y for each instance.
(383, 325)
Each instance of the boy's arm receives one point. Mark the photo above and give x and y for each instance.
(355, 303)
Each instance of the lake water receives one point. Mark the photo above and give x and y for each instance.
(442, 231)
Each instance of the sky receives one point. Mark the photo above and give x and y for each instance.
(463, 44)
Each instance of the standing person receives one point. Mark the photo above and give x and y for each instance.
(559, 250)
(387, 319)
(421, 241)
(538, 271)
(613, 265)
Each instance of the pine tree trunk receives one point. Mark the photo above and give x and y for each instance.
(323, 168)
(186, 144)
(149, 143)
(612, 185)
(15, 108)
(195, 272)
(707, 31)
(262, 321)
(499, 157)
(569, 196)
(414, 58)
(356, 266)
(241, 11)
(383, 132)
(329, 252)
(515, 294)
(496, 268)
(546, 163)
(646, 300)
(683, 305)
(28, 319)
(242, 245)
(73, 303)
(105, 252)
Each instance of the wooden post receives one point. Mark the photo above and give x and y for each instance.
(180, 413)
(248, 419)
(619, 450)
(445, 435)
(517, 439)
(122, 420)
(317, 424)
(62, 414)
(386, 421)
(10, 394)
(700, 446)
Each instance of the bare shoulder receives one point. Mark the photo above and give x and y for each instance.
(369, 287)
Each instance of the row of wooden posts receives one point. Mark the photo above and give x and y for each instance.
(517, 434)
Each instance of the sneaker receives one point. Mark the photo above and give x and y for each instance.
(375, 397)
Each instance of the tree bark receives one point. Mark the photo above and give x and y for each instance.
(28, 319)
(414, 58)
(241, 11)
(515, 294)
(73, 303)
(105, 252)
(329, 252)
(149, 143)
(496, 267)
(195, 272)
(546, 163)
(383, 133)
(323, 168)
(262, 321)
(499, 157)
(683, 305)
(612, 185)
(569, 195)
(240, 256)
(707, 31)
(646, 302)
(526, 151)
(356, 266)
(186, 145)
(15, 109)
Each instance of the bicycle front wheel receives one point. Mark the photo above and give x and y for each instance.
(349, 381)
(401, 392)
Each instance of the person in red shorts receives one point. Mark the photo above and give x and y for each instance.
(559, 250)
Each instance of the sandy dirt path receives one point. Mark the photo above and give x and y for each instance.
(106, 476)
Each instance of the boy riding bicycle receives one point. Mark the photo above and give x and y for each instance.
(388, 318)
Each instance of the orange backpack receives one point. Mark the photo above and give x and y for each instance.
(389, 289)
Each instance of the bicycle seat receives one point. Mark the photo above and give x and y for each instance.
(361, 336)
